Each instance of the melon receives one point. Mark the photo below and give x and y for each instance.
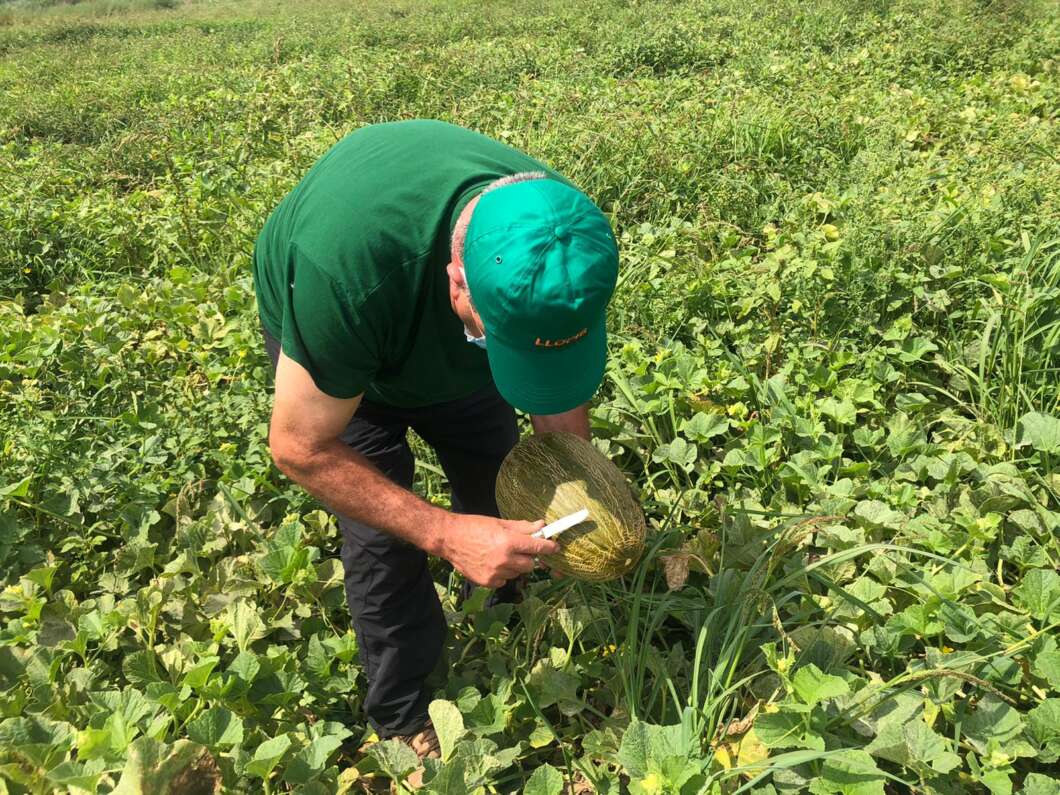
(552, 475)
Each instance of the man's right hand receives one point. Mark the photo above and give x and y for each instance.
(491, 551)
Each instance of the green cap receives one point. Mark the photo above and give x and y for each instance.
(541, 264)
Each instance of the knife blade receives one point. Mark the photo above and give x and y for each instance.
(558, 526)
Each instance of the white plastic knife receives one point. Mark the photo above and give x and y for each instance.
(558, 526)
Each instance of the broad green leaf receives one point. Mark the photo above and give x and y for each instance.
(310, 762)
(245, 622)
(1043, 727)
(215, 728)
(155, 768)
(448, 778)
(195, 677)
(929, 748)
(785, 729)
(644, 744)
(812, 685)
(394, 758)
(875, 514)
(44, 742)
(141, 668)
(75, 774)
(678, 451)
(849, 773)
(1039, 593)
(842, 411)
(992, 719)
(545, 780)
(267, 756)
(1046, 664)
(703, 427)
(1040, 784)
(1040, 431)
(448, 725)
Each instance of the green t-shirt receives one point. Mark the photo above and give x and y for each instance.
(349, 269)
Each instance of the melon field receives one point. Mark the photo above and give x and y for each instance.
(833, 384)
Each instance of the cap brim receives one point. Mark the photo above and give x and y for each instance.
(550, 380)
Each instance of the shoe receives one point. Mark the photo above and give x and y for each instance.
(425, 745)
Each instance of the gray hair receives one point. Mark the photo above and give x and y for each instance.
(462, 223)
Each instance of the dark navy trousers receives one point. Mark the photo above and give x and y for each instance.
(393, 603)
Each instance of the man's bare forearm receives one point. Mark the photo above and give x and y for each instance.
(574, 421)
(349, 484)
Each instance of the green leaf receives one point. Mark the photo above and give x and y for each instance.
(1047, 663)
(1043, 728)
(245, 622)
(195, 677)
(155, 768)
(394, 758)
(545, 780)
(679, 452)
(448, 778)
(786, 730)
(309, 763)
(44, 742)
(875, 514)
(215, 728)
(1040, 784)
(448, 725)
(644, 744)
(703, 427)
(812, 685)
(267, 756)
(1040, 431)
(842, 411)
(1039, 593)
(992, 719)
(849, 773)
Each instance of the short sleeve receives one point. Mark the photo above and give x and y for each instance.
(324, 332)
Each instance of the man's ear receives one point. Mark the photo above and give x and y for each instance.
(455, 275)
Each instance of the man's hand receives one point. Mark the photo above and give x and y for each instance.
(492, 551)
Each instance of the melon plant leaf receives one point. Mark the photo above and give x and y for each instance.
(812, 685)
(394, 758)
(42, 741)
(1040, 431)
(309, 763)
(1047, 664)
(678, 452)
(217, 727)
(246, 625)
(1043, 728)
(449, 778)
(1041, 784)
(842, 411)
(644, 743)
(268, 755)
(703, 427)
(876, 514)
(545, 780)
(928, 747)
(849, 773)
(153, 767)
(196, 676)
(1039, 593)
(141, 668)
(992, 719)
(786, 729)
(448, 725)
(75, 775)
